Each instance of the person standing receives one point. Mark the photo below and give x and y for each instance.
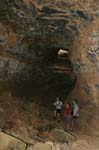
(67, 116)
(75, 113)
(58, 107)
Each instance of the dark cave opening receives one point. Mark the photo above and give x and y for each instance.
(51, 77)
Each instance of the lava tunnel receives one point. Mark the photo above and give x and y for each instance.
(33, 36)
(51, 75)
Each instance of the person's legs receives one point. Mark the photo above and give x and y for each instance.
(73, 122)
(55, 114)
(68, 123)
(67, 126)
(58, 115)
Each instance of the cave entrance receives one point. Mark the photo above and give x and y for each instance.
(50, 79)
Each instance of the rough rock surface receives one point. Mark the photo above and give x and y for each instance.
(24, 121)
(41, 146)
(28, 49)
(86, 64)
(62, 136)
(31, 34)
(9, 142)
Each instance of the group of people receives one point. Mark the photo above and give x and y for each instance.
(71, 112)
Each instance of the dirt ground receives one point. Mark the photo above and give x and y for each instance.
(30, 119)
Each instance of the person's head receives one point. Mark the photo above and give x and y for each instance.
(57, 98)
(75, 101)
(67, 105)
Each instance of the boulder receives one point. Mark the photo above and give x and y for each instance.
(62, 136)
(9, 142)
(42, 146)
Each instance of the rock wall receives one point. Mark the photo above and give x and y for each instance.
(31, 34)
(29, 42)
(85, 57)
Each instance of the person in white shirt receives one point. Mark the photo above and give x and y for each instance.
(75, 113)
(58, 107)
